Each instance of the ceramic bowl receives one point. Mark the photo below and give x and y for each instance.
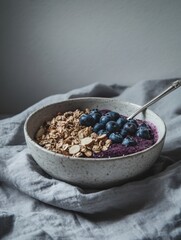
(92, 172)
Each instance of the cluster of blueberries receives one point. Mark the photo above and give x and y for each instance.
(117, 127)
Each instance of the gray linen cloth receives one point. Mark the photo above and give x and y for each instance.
(35, 206)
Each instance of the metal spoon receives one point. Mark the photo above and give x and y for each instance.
(174, 86)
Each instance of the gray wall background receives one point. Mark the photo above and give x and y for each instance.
(51, 46)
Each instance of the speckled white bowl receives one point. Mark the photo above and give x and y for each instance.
(91, 172)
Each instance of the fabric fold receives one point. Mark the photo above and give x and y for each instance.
(33, 205)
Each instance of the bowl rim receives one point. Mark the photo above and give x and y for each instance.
(90, 159)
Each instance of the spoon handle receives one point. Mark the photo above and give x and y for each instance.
(174, 86)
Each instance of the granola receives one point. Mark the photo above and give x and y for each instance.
(63, 134)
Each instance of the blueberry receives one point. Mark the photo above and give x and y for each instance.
(112, 126)
(97, 127)
(144, 132)
(124, 132)
(116, 137)
(144, 125)
(95, 110)
(130, 128)
(128, 141)
(96, 116)
(104, 119)
(114, 115)
(133, 121)
(87, 120)
(83, 119)
(121, 121)
(103, 131)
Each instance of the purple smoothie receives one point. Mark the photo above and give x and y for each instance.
(117, 149)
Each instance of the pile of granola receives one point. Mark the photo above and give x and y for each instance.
(64, 135)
